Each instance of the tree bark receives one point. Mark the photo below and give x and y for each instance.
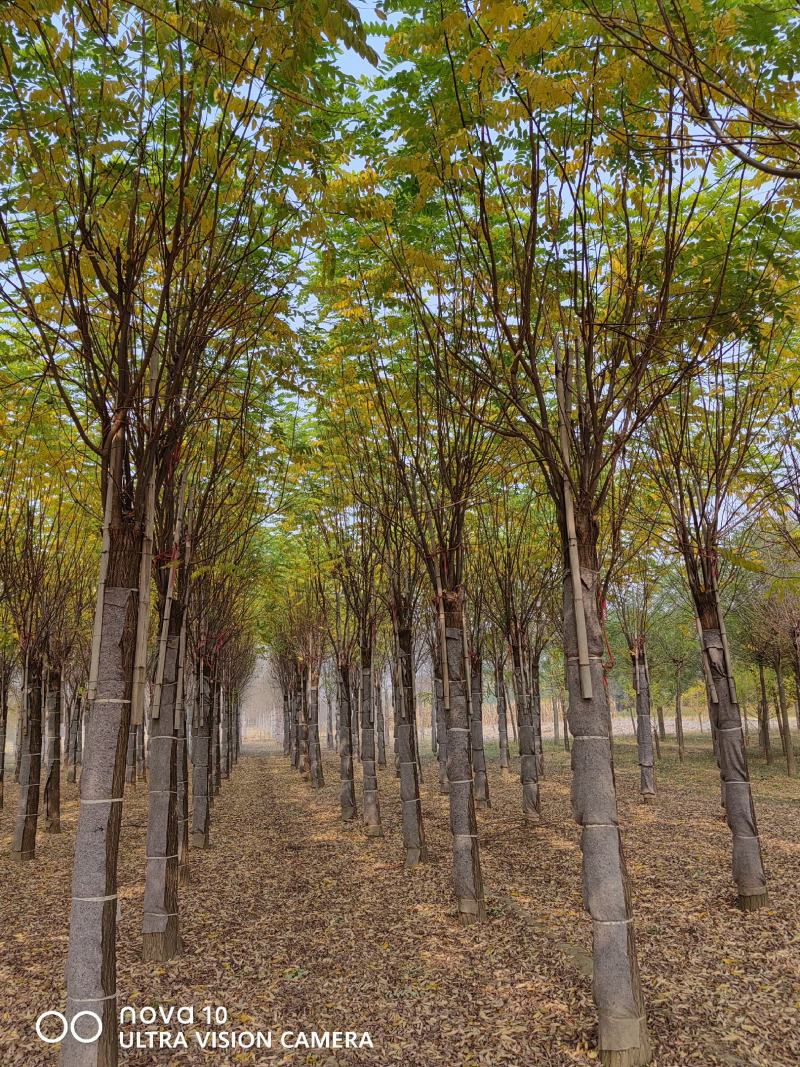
(161, 927)
(644, 726)
(303, 755)
(502, 716)
(91, 959)
(347, 792)
(410, 800)
(528, 771)
(201, 736)
(748, 868)
(52, 782)
(5, 681)
(622, 1030)
(314, 749)
(662, 730)
(441, 732)
(372, 810)
(380, 724)
(23, 846)
(480, 779)
(763, 717)
(788, 744)
(463, 825)
(130, 758)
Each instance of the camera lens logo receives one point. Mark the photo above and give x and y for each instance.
(70, 1027)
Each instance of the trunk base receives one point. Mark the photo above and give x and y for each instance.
(532, 817)
(200, 840)
(184, 874)
(23, 857)
(470, 911)
(415, 856)
(54, 828)
(626, 1057)
(505, 772)
(349, 816)
(444, 790)
(648, 798)
(753, 902)
(161, 946)
(373, 831)
(482, 805)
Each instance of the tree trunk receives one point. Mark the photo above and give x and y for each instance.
(466, 853)
(748, 869)
(502, 716)
(52, 782)
(287, 728)
(528, 771)
(405, 711)
(783, 710)
(184, 875)
(314, 749)
(91, 959)
(662, 730)
(763, 718)
(434, 738)
(329, 736)
(480, 779)
(372, 810)
(380, 726)
(73, 729)
(556, 719)
(216, 770)
(130, 758)
(161, 928)
(535, 703)
(23, 846)
(303, 754)
(5, 680)
(347, 793)
(441, 732)
(225, 753)
(622, 1030)
(201, 736)
(644, 726)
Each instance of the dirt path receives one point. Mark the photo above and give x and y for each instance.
(294, 922)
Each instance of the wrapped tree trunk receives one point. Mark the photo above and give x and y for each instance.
(441, 731)
(347, 793)
(182, 788)
(160, 928)
(4, 680)
(314, 748)
(225, 731)
(287, 728)
(52, 782)
(556, 720)
(463, 826)
(294, 740)
(622, 1032)
(502, 716)
(372, 810)
(535, 691)
(216, 770)
(480, 779)
(380, 724)
(303, 756)
(355, 711)
(529, 771)
(434, 739)
(330, 743)
(748, 868)
(644, 728)
(201, 812)
(405, 716)
(23, 845)
(91, 959)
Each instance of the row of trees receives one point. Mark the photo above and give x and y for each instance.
(488, 351)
